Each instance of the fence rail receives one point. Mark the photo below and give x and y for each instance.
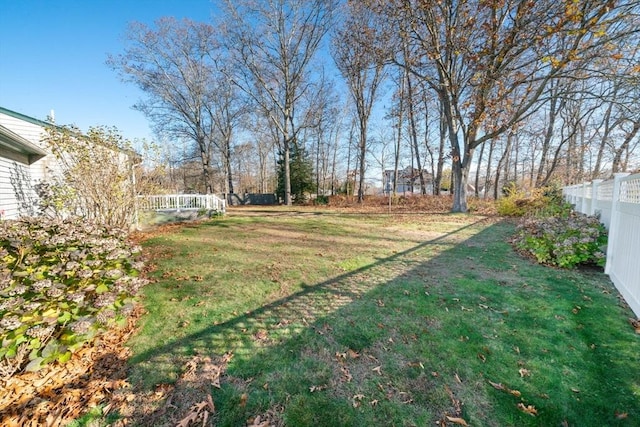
(179, 202)
(617, 202)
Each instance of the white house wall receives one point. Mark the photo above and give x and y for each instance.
(34, 134)
(16, 189)
(17, 176)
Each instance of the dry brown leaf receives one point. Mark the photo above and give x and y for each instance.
(516, 393)
(212, 407)
(353, 354)
(528, 409)
(497, 386)
(524, 372)
(378, 369)
(191, 417)
(457, 420)
(261, 335)
(346, 375)
(243, 399)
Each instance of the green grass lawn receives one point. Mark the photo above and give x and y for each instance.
(321, 318)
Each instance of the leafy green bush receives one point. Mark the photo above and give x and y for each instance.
(62, 282)
(564, 241)
(321, 200)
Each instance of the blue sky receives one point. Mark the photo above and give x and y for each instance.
(53, 53)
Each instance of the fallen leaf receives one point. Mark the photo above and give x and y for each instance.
(458, 421)
(243, 400)
(261, 335)
(374, 402)
(346, 375)
(378, 370)
(497, 386)
(353, 354)
(621, 415)
(516, 393)
(524, 372)
(528, 409)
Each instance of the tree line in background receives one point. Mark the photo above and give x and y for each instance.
(304, 96)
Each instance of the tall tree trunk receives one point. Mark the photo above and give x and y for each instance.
(363, 153)
(414, 134)
(554, 109)
(501, 163)
(477, 181)
(396, 160)
(617, 164)
(443, 136)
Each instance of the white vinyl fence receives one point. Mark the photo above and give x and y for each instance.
(617, 201)
(179, 202)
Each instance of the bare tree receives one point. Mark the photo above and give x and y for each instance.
(489, 62)
(361, 63)
(273, 44)
(174, 64)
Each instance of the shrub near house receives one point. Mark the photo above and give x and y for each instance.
(62, 283)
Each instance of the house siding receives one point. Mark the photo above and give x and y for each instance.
(16, 190)
(34, 133)
(18, 174)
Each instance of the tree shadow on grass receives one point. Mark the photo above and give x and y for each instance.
(408, 340)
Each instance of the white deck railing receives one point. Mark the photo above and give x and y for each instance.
(617, 201)
(179, 202)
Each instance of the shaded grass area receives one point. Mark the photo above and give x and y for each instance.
(335, 319)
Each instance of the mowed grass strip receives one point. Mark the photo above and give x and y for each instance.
(358, 320)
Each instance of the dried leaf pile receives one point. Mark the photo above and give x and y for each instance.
(60, 393)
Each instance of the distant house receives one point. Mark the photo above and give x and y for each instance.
(23, 162)
(408, 181)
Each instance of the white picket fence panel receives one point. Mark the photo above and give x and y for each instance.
(180, 202)
(617, 201)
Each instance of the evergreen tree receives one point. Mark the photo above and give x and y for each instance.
(301, 172)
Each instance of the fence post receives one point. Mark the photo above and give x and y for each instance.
(594, 195)
(615, 218)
